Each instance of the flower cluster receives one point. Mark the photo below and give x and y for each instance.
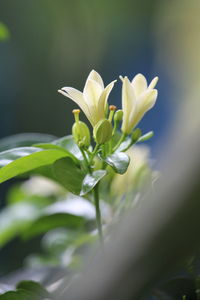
(93, 99)
(108, 153)
(137, 99)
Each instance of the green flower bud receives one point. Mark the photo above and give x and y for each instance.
(102, 131)
(81, 134)
(135, 135)
(118, 115)
(146, 136)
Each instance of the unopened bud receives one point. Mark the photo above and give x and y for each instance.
(81, 134)
(135, 135)
(102, 131)
(118, 115)
(146, 136)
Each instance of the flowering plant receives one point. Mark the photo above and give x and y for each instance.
(137, 99)
(98, 164)
(73, 161)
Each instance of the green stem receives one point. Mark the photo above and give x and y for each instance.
(116, 123)
(103, 148)
(104, 154)
(94, 152)
(122, 138)
(98, 213)
(86, 160)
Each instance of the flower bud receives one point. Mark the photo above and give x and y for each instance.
(81, 134)
(102, 131)
(135, 135)
(118, 115)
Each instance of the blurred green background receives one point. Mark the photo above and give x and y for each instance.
(56, 43)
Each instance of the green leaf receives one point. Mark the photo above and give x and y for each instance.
(15, 218)
(146, 136)
(17, 193)
(67, 142)
(124, 145)
(8, 156)
(54, 173)
(21, 218)
(56, 147)
(49, 222)
(91, 180)
(119, 161)
(4, 32)
(24, 140)
(68, 174)
(21, 160)
(18, 295)
(33, 287)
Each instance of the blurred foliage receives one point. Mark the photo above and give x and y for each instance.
(4, 32)
(42, 206)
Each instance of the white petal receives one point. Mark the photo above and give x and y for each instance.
(132, 118)
(153, 83)
(144, 104)
(92, 92)
(139, 83)
(128, 103)
(77, 97)
(148, 99)
(128, 95)
(96, 77)
(93, 113)
(103, 99)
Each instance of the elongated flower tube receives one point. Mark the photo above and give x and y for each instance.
(93, 99)
(137, 99)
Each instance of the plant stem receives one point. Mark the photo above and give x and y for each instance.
(94, 152)
(86, 160)
(122, 138)
(98, 213)
(115, 127)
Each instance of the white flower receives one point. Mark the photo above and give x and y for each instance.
(93, 99)
(137, 99)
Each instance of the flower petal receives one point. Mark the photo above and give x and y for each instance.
(93, 113)
(96, 77)
(144, 104)
(139, 84)
(103, 99)
(77, 97)
(148, 99)
(92, 92)
(153, 83)
(128, 103)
